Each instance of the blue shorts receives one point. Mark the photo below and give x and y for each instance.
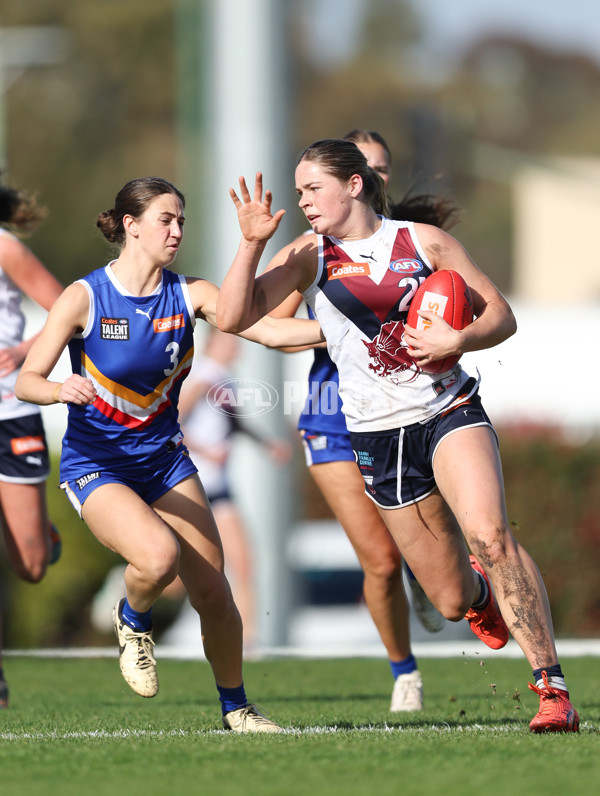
(321, 447)
(23, 450)
(397, 465)
(150, 481)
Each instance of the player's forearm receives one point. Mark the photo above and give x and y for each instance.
(495, 324)
(35, 389)
(237, 308)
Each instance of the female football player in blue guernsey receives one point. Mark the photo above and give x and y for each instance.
(30, 541)
(129, 330)
(425, 446)
(331, 462)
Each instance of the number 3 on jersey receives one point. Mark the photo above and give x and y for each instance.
(172, 350)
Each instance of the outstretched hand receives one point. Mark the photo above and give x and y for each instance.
(254, 213)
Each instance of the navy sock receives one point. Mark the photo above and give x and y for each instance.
(138, 620)
(551, 671)
(405, 666)
(232, 698)
(484, 594)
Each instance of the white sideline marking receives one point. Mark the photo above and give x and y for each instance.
(567, 648)
(308, 731)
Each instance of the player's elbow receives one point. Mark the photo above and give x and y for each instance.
(226, 322)
(19, 393)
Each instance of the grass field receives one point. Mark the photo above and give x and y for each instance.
(73, 727)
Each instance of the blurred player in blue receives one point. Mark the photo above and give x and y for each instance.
(210, 423)
(31, 542)
(129, 330)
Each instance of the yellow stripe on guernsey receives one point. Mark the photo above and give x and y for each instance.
(122, 399)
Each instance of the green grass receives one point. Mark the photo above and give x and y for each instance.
(73, 727)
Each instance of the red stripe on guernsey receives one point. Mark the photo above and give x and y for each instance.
(367, 303)
(129, 421)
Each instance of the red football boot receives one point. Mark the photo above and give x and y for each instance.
(556, 713)
(487, 623)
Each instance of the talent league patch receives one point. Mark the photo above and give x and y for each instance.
(114, 328)
(342, 270)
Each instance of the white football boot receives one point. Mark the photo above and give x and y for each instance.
(249, 719)
(427, 614)
(408, 693)
(136, 657)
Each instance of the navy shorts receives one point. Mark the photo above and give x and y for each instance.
(397, 465)
(321, 447)
(150, 481)
(23, 450)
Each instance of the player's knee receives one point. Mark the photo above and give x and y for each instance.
(454, 603)
(492, 546)
(386, 570)
(162, 567)
(212, 596)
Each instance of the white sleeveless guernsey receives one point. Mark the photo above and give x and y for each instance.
(12, 326)
(361, 296)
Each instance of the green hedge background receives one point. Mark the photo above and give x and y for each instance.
(553, 499)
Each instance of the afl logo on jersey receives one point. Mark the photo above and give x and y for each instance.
(114, 328)
(405, 267)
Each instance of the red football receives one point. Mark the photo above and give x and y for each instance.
(446, 293)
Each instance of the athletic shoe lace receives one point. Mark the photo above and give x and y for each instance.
(145, 642)
(546, 691)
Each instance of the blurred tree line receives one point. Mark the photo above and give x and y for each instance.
(108, 111)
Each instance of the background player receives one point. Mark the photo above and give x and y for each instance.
(30, 541)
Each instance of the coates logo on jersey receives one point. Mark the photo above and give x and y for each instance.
(343, 270)
(405, 267)
(21, 445)
(169, 324)
(247, 397)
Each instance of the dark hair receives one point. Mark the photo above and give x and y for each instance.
(426, 208)
(19, 210)
(342, 159)
(360, 136)
(422, 208)
(133, 200)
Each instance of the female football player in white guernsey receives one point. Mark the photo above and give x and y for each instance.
(425, 446)
(129, 330)
(331, 462)
(31, 542)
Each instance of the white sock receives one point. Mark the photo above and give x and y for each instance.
(554, 682)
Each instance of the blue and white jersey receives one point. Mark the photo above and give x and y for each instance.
(361, 296)
(136, 351)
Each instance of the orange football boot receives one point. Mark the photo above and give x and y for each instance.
(487, 623)
(556, 713)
